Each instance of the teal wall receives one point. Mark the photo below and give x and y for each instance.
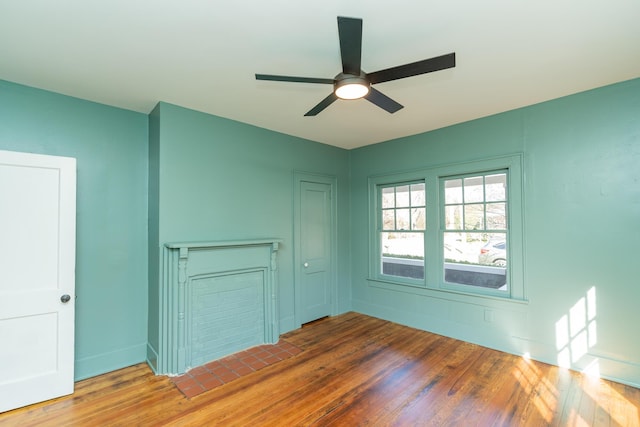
(110, 146)
(218, 179)
(194, 176)
(154, 252)
(581, 230)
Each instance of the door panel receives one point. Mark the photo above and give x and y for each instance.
(37, 261)
(36, 333)
(315, 250)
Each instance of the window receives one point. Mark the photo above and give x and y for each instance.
(403, 220)
(474, 232)
(454, 228)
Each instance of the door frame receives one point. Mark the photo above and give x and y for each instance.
(298, 178)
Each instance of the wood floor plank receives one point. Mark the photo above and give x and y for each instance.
(354, 370)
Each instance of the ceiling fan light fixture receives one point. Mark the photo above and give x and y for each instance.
(351, 88)
(352, 82)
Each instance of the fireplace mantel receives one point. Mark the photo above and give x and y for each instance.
(224, 243)
(216, 298)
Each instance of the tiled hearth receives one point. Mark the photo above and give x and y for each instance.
(227, 369)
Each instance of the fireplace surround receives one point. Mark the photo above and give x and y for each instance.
(216, 298)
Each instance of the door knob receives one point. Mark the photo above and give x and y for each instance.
(306, 265)
(65, 298)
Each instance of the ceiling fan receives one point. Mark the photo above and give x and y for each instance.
(352, 82)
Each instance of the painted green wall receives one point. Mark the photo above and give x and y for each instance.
(223, 180)
(110, 146)
(582, 229)
(154, 252)
(199, 177)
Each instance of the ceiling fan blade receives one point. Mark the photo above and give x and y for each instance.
(294, 79)
(415, 68)
(350, 34)
(322, 105)
(383, 101)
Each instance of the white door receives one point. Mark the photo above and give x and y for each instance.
(315, 251)
(37, 277)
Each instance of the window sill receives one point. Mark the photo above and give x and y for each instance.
(398, 281)
(443, 293)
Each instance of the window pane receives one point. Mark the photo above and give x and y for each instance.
(496, 187)
(475, 248)
(417, 195)
(418, 218)
(453, 217)
(403, 220)
(388, 220)
(388, 197)
(475, 259)
(496, 216)
(473, 190)
(453, 191)
(402, 196)
(462, 247)
(403, 254)
(403, 245)
(473, 217)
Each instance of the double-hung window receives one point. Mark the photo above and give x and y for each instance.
(474, 229)
(455, 228)
(402, 224)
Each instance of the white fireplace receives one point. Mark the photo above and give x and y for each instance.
(216, 298)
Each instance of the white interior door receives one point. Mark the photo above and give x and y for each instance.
(37, 277)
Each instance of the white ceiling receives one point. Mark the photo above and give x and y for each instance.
(203, 55)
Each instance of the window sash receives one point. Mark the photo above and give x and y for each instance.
(400, 227)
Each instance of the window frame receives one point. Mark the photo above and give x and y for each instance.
(380, 228)
(434, 227)
(484, 230)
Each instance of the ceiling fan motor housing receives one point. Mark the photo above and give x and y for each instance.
(350, 86)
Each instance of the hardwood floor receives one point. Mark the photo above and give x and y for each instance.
(354, 370)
